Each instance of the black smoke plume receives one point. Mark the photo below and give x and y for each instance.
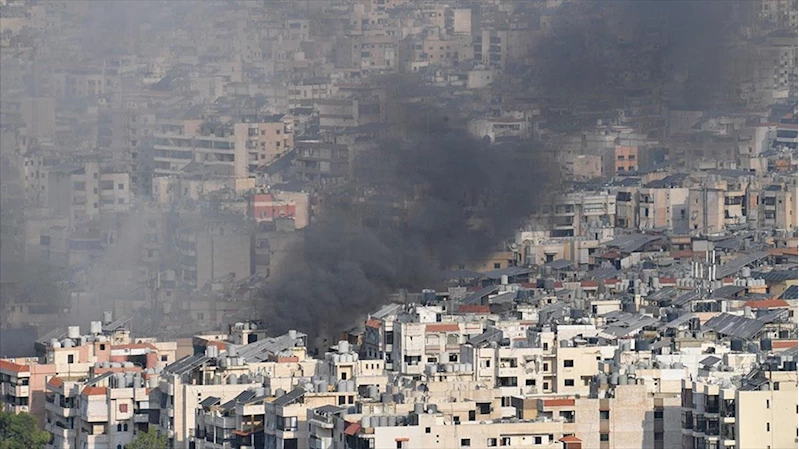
(436, 199)
(594, 50)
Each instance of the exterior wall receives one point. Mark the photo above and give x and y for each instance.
(625, 159)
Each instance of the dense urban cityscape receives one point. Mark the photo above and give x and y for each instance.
(398, 224)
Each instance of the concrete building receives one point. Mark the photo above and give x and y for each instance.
(762, 412)
(213, 248)
(232, 148)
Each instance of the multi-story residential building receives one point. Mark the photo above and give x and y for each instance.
(213, 247)
(777, 208)
(320, 161)
(106, 411)
(577, 214)
(625, 160)
(233, 148)
(760, 412)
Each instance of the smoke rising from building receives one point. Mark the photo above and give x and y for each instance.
(439, 200)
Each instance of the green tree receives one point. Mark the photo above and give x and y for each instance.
(20, 431)
(149, 440)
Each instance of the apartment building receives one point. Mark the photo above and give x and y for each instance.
(232, 148)
(777, 208)
(74, 357)
(760, 412)
(625, 160)
(269, 206)
(577, 214)
(103, 412)
(213, 247)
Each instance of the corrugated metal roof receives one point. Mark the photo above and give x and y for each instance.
(631, 243)
(734, 326)
(559, 264)
(679, 321)
(735, 265)
(491, 334)
(209, 401)
(476, 298)
(710, 361)
(289, 397)
(261, 350)
(510, 272)
(776, 275)
(186, 364)
(727, 291)
(790, 293)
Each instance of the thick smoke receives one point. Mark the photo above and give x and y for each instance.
(437, 200)
(593, 50)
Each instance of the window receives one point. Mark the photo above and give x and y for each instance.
(768, 403)
(604, 437)
(453, 357)
(529, 382)
(164, 358)
(537, 440)
(472, 415)
(568, 363)
(119, 427)
(342, 400)
(120, 186)
(497, 265)
(426, 430)
(604, 414)
(465, 442)
(399, 444)
(491, 442)
(658, 414)
(546, 346)
(124, 427)
(768, 427)
(456, 419)
(123, 408)
(70, 358)
(658, 436)
(546, 386)
(546, 367)
(485, 407)
(568, 382)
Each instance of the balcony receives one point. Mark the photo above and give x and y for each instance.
(56, 409)
(141, 418)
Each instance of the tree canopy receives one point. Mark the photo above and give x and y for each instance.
(20, 431)
(150, 440)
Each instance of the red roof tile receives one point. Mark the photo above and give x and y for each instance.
(611, 281)
(352, 429)
(570, 439)
(94, 391)
(55, 382)
(784, 344)
(558, 284)
(767, 304)
(374, 323)
(474, 308)
(442, 327)
(589, 284)
(290, 359)
(527, 284)
(668, 281)
(14, 367)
